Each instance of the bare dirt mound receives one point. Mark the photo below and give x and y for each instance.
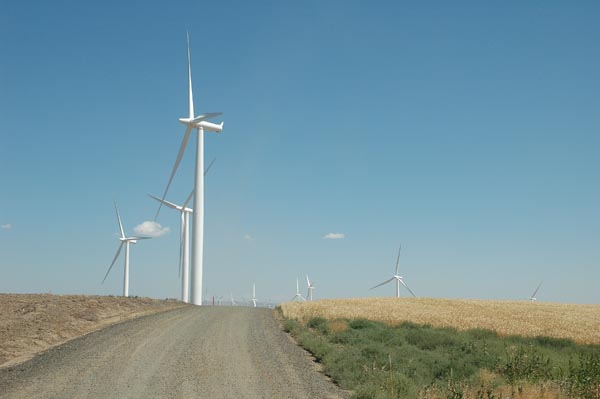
(31, 323)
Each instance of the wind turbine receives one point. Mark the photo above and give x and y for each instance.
(232, 301)
(184, 238)
(254, 294)
(298, 294)
(532, 298)
(124, 241)
(399, 279)
(201, 124)
(310, 289)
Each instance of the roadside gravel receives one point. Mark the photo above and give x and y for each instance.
(194, 352)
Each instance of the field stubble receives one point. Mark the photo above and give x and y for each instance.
(581, 323)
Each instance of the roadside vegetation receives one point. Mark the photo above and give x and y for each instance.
(407, 360)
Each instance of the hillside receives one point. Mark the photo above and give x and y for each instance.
(31, 323)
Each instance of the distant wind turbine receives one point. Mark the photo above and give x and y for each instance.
(309, 293)
(184, 238)
(232, 301)
(298, 294)
(124, 241)
(254, 295)
(532, 298)
(399, 279)
(201, 124)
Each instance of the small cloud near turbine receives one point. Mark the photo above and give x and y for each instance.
(334, 236)
(7, 226)
(151, 229)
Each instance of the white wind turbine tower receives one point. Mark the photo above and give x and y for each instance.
(124, 241)
(298, 294)
(399, 279)
(201, 124)
(232, 301)
(311, 287)
(254, 294)
(532, 298)
(184, 239)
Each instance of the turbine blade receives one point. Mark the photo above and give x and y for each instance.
(409, 290)
(209, 166)
(307, 280)
(190, 95)
(119, 219)
(205, 116)
(188, 199)
(165, 202)
(186, 137)
(385, 282)
(114, 260)
(537, 289)
(398, 259)
(138, 238)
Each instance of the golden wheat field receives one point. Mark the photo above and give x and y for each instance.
(580, 323)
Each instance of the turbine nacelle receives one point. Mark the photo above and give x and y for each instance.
(201, 122)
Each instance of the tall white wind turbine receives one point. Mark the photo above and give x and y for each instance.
(399, 279)
(200, 123)
(298, 294)
(532, 298)
(232, 301)
(311, 287)
(124, 241)
(184, 239)
(254, 294)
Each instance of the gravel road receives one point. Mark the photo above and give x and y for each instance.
(207, 352)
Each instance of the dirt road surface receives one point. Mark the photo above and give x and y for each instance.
(207, 352)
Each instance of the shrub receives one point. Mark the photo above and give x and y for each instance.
(361, 324)
(525, 364)
(428, 338)
(319, 324)
(584, 377)
(290, 325)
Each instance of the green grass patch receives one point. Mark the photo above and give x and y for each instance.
(376, 360)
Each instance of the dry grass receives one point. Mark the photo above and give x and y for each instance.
(31, 323)
(580, 323)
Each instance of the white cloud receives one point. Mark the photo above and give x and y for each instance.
(334, 236)
(7, 226)
(151, 229)
(248, 237)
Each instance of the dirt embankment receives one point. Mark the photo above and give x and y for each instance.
(32, 323)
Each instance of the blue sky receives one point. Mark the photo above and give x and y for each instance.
(467, 131)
